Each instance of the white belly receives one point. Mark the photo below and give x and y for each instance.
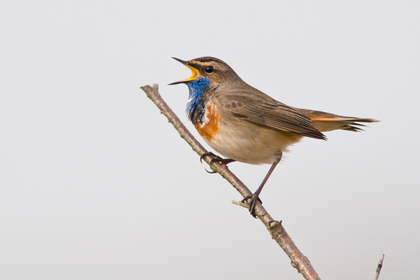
(251, 143)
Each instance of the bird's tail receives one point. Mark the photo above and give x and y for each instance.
(326, 122)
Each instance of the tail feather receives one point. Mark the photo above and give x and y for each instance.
(326, 121)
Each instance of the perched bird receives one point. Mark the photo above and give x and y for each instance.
(244, 124)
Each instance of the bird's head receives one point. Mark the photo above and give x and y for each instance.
(213, 70)
(209, 76)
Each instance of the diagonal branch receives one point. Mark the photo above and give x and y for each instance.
(379, 267)
(276, 229)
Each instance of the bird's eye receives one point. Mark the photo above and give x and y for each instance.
(209, 69)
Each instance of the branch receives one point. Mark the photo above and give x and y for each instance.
(379, 267)
(276, 229)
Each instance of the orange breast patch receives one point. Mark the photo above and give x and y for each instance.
(210, 125)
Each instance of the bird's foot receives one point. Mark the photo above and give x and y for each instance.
(252, 203)
(215, 158)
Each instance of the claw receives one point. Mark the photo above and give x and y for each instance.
(252, 203)
(203, 156)
(215, 159)
(224, 161)
(210, 172)
(251, 197)
(208, 154)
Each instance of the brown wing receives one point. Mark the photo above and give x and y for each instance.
(260, 109)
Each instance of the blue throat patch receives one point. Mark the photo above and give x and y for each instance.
(196, 101)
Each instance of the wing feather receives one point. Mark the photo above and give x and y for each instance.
(260, 109)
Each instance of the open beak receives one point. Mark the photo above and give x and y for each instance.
(194, 71)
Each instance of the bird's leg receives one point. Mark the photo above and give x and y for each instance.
(255, 196)
(215, 158)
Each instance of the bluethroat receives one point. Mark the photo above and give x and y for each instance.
(244, 124)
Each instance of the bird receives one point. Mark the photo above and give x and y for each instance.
(244, 124)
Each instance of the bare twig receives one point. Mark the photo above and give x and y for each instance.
(240, 203)
(277, 231)
(379, 267)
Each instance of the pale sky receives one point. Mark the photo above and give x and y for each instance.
(96, 184)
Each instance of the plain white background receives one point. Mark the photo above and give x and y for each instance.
(96, 184)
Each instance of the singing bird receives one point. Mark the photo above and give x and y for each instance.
(244, 124)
